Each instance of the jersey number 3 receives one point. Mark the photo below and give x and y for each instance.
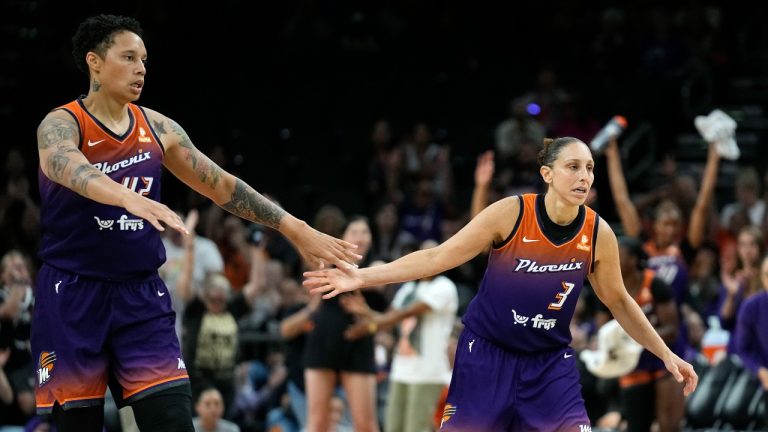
(556, 305)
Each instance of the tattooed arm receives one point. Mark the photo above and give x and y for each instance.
(200, 173)
(62, 162)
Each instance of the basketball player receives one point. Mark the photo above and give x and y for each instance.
(514, 369)
(103, 316)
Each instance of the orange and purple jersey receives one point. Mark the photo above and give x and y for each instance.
(530, 288)
(670, 267)
(99, 241)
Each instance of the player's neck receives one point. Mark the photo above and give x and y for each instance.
(559, 211)
(110, 112)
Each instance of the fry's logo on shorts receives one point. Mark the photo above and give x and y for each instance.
(45, 367)
(448, 412)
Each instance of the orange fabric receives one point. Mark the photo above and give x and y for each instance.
(531, 238)
(640, 377)
(437, 418)
(97, 143)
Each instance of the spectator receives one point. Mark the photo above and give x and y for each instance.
(425, 311)
(210, 409)
(751, 337)
(331, 360)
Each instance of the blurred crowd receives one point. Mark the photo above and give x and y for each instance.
(265, 356)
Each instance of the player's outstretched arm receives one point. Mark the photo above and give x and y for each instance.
(62, 162)
(492, 225)
(200, 173)
(609, 287)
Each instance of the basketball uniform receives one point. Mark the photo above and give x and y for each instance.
(514, 369)
(102, 314)
(670, 267)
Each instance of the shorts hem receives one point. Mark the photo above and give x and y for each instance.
(152, 390)
(82, 403)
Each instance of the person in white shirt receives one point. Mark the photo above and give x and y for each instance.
(426, 311)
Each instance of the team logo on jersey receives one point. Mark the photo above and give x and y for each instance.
(448, 412)
(585, 428)
(104, 224)
(124, 223)
(538, 322)
(45, 367)
(143, 138)
(530, 266)
(584, 244)
(108, 168)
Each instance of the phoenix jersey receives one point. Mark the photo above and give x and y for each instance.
(670, 267)
(100, 241)
(529, 291)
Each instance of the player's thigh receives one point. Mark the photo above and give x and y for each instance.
(548, 396)
(482, 388)
(145, 352)
(69, 339)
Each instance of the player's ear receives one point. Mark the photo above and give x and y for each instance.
(546, 173)
(93, 61)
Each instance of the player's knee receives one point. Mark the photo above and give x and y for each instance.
(169, 410)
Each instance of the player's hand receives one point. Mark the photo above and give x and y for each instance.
(321, 250)
(153, 212)
(332, 282)
(682, 372)
(484, 169)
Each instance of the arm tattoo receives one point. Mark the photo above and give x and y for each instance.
(58, 136)
(251, 205)
(53, 131)
(159, 127)
(81, 176)
(57, 163)
(207, 172)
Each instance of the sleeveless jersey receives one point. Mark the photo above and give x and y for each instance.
(528, 294)
(670, 267)
(99, 241)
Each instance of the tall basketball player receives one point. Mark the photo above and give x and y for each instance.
(514, 368)
(103, 316)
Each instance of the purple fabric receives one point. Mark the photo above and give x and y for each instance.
(493, 389)
(97, 328)
(751, 338)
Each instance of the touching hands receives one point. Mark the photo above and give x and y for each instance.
(332, 282)
(321, 250)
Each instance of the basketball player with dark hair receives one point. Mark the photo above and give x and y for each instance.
(103, 315)
(515, 370)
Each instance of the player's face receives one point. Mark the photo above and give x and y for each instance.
(121, 73)
(572, 173)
